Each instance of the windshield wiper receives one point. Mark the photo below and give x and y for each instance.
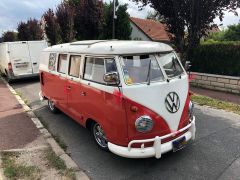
(149, 72)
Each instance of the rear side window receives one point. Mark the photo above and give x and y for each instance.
(62, 63)
(52, 61)
(74, 66)
(95, 68)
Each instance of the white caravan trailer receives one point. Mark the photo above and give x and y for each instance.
(20, 59)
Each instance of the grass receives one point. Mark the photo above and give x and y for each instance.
(60, 142)
(18, 93)
(58, 164)
(16, 171)
(54, 160)
(227, 106)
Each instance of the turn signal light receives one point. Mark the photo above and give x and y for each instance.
(134, 108)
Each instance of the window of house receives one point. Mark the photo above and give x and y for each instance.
(74, 66)
(95, 68)
(62, 63)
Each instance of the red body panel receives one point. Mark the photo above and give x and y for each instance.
(113, 112)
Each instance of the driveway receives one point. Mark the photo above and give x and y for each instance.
(214, 154)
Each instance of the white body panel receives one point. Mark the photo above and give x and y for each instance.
(24, 57)
(155, 95)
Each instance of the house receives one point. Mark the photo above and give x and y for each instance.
(148, 30)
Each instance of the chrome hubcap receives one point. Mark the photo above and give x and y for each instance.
(99, 136)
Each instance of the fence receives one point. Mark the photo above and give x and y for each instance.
(216, 82)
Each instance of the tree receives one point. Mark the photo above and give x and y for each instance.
(30, 30)
(232, 33)
(154, 15)
(35, 31)
(23, 31)
(88, 18)
(65, 19)
(9, 36)
(194, 16)
(51, 27)
(122, 24)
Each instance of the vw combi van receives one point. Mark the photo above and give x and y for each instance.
(133, 95)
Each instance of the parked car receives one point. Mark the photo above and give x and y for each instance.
(132, 95)
(20, 59)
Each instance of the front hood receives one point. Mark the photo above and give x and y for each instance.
(154, 96)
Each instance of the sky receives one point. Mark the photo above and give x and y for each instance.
(14, 11)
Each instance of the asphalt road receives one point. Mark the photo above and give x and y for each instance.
(214, 155)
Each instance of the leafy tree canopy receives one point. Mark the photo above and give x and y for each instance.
(65, 18)
(122, 24)
(193, 16)
(30, 30)
(88, 18)
(232, 33)
(9, 36)
(52, 28)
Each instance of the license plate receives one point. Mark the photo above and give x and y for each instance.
(179, 144)
(21, 66)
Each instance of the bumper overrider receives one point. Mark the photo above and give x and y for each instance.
(158, 148)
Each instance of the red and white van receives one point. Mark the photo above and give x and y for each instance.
(132, 95)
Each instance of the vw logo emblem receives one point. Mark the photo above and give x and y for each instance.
(172, 102)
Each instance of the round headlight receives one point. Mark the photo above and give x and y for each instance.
(190, 109)
(144, 124)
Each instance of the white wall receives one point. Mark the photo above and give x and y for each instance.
(137, 34)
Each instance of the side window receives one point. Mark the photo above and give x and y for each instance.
(94, 69)
(52, 61)
(62, 63)
(110, 65)
(74, 66)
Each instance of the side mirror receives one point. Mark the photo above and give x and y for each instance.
(111, 78)
(187, 65)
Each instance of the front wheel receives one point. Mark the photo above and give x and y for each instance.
(52, 107)
(99, 136)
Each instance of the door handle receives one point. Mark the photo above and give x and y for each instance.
(68, 87)
(83, 93)
(35, 63)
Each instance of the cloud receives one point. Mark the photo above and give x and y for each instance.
(229, 19)
(14, 11)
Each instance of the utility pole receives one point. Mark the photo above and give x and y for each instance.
(114, 17)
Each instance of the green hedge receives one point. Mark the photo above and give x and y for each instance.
(221, 58)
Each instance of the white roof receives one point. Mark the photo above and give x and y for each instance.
(111, 47)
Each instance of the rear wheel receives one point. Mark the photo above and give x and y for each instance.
(52, 107)
(99, 136)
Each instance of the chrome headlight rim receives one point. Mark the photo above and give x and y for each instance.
(144, 124)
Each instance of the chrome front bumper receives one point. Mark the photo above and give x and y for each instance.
(157, 149)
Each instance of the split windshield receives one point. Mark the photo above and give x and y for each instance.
(145, 68)
(141, 69)
(170, 64)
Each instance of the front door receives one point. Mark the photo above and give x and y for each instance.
(101, 102)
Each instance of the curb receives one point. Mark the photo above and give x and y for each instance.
(79, 174)
(2, 177)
